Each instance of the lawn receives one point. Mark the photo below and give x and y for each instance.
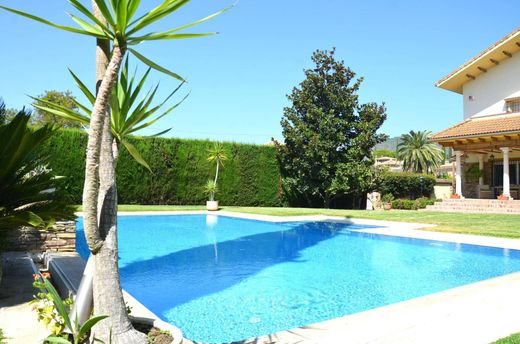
(498, 225)
(512, 339)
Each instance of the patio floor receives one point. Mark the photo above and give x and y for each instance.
(17, 319)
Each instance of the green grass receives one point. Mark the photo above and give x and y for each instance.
(512, 339)
(2, 338)
(498, 225)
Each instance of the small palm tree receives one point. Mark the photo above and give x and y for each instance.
(217, 155)
(418, 153)
(27, 188)
(211, 189)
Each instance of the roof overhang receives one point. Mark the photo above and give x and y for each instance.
(486, 129)
(480, 64)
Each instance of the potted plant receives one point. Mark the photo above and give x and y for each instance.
(473, 174)
(456, 196)
(387, 201)
(217, 155)
(211, 189)
(503, 197)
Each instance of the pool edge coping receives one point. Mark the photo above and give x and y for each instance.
(390, 228)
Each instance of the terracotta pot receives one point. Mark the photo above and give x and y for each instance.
(503, 198)
(212, 205)
(387, 206)
(455, 196)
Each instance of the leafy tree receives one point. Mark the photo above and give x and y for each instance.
(6, 114)
(117, 28)
(329, 135)
(62, 99)
(27, 187)
(418, 153)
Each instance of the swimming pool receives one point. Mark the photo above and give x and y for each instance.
(223, 279)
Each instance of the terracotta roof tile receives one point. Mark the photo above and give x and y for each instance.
(480, 126)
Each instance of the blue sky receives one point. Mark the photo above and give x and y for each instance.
(239, 79)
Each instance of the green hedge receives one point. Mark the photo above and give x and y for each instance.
(408, 204)
(406, 184)
(250, 176)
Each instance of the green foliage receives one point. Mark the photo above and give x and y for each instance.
(131, 108)
(6, 114)
(27, 186)
(473, 174)
(211, 188)
(63, 99)
(405, 184)
(78, 332)
(2, 337)
(512, 339)
(329, 135)
(387, 198)
(45, 308)
(123, 28)
(418, 153)
(251, 175)
(385, 153)
(407, 204)
(217, 155)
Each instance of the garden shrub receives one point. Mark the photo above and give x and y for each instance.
(406, 185)
(250, 176)
(407, 204)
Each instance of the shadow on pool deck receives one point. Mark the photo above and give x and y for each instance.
(196, 272)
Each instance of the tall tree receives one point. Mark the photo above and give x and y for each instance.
(64, 99)
(418, 153)
(121, 29)
(328, 134)
(6, 114)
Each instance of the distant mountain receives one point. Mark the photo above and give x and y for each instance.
(390, 144)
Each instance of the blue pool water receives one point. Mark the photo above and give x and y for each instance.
(223, 279)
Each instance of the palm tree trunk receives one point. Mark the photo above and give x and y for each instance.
(216, 174)
(108, 296)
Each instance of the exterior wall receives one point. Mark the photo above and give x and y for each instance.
(28, 239)
(443, 190)
(490, 89)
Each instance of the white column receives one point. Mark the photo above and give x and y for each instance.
(458, 173)
(505, 154)
(481, 168)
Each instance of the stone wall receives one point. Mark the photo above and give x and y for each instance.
(60, 239)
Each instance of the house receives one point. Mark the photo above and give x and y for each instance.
(486, 144)
(392, 164)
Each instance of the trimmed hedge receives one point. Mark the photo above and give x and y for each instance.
(250, 176)
(408, 204)
(406, 184)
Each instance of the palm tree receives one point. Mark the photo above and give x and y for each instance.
(27, 189)
(131, 109)
(418, 153)
(218, 156)
(115, 26)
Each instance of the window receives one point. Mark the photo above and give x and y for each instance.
(514, 173)
(513, 105)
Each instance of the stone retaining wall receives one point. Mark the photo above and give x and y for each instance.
(28, 239)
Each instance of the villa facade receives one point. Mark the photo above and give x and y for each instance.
(486, 144)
